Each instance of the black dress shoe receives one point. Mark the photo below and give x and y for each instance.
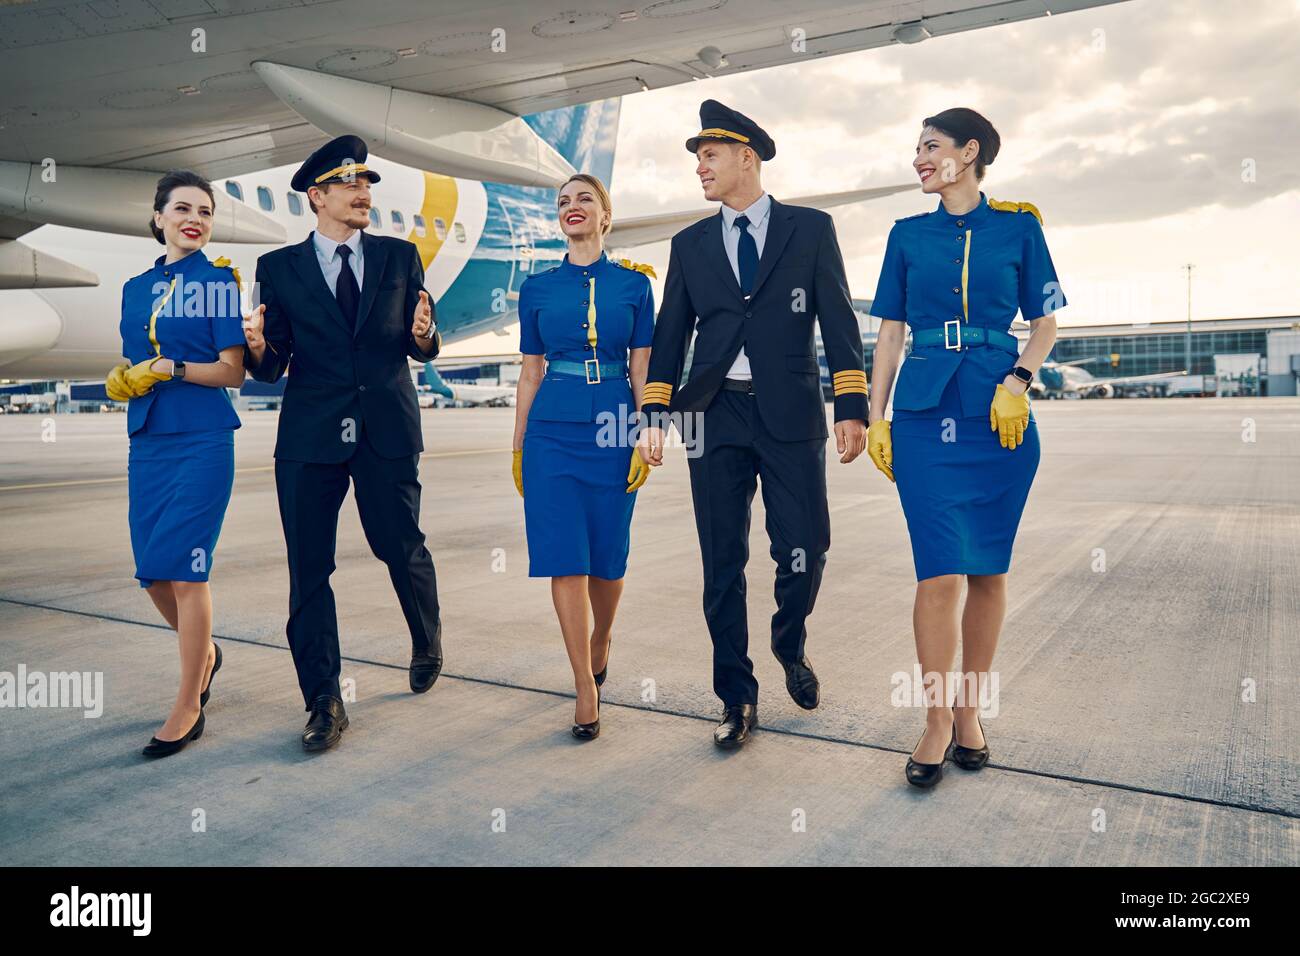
(738, 722)
(216, 666)
(926, 775)
(326, 724)
(425, 669)
(971, 758)
(805, 690)
(592, 730)
(165, 748)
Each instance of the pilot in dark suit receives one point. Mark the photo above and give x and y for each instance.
(342, 311)
(750, 282)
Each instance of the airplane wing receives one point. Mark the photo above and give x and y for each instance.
(149, 85)
(1135, 379)
(646, 229)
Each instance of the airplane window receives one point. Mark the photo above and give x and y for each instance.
(399, 225)
(295, 203)
(439, 228)
(459, 230)
(264, 199)
(374, 217)
(420, 229)
(234, 189)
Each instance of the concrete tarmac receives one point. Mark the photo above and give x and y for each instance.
(1147, 671)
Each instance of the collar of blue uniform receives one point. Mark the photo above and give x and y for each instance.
(569, 267)
(193, 259)
(975, 215)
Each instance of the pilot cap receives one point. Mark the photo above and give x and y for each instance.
(729, 126)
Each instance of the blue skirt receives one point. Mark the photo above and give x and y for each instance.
(962, 492)
(179, 486)
(577, 511)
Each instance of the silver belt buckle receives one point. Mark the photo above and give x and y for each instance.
(948, 344)
(587, 366)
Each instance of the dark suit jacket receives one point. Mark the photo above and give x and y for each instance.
(336, 376)
(800, 275)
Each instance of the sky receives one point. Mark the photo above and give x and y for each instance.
(1150, 134)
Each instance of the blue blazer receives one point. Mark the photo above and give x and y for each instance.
(337, 374)
(800, 281)
(191, 308)
(554, 320)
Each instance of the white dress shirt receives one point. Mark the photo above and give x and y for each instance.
(331, 263)
(758, 213)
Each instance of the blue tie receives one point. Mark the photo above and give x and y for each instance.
(746, 256)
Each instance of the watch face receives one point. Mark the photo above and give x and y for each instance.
(1023, 374)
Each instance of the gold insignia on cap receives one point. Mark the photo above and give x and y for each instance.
(723, 132)
(347, 169)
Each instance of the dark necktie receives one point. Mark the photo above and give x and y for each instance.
(345, 290)
(746, 256)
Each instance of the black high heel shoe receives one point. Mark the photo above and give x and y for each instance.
(926, 775)
(600, 678)
(592, 730)
(970, 758)
(216, 666)
(165, 748)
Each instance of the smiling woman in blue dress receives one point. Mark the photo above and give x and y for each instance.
(963, 446)
(585, 329)
(182, 336)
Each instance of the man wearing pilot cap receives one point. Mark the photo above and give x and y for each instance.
(343, 311)
(750, 282)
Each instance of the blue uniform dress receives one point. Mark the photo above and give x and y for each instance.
(958, 281)
(580, 434)
(181, 466)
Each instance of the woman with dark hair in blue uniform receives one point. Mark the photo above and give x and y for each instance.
(963, 446)
(182, 336)
(585, 329)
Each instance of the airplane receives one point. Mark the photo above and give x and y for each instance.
(473, 395)
(474, 115)
(1068, 380)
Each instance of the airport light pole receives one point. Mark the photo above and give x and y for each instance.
(1187, 338)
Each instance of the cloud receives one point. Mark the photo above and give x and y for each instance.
(1113, 114)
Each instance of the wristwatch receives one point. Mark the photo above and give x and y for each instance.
(178, 368)
(1023, 374)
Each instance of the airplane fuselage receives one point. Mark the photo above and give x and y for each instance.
(478, 242)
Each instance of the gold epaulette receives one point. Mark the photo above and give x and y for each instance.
(849, 382)
(224, 263)
(1004, 205)
(638, 267)
(656, 393)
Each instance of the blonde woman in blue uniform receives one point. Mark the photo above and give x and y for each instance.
(963, 445)
(183, 339)
(585, 329)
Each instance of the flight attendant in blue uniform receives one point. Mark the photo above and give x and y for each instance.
(585, 329)
(183, 340)
(963, 446)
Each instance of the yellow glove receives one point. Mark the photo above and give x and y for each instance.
(517, 470)
(115, 385)
(141, 377)
(638, 471)
(880, 446)
(1009, 416)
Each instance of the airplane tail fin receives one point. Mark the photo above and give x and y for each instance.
(585, 135)
(435, 382)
